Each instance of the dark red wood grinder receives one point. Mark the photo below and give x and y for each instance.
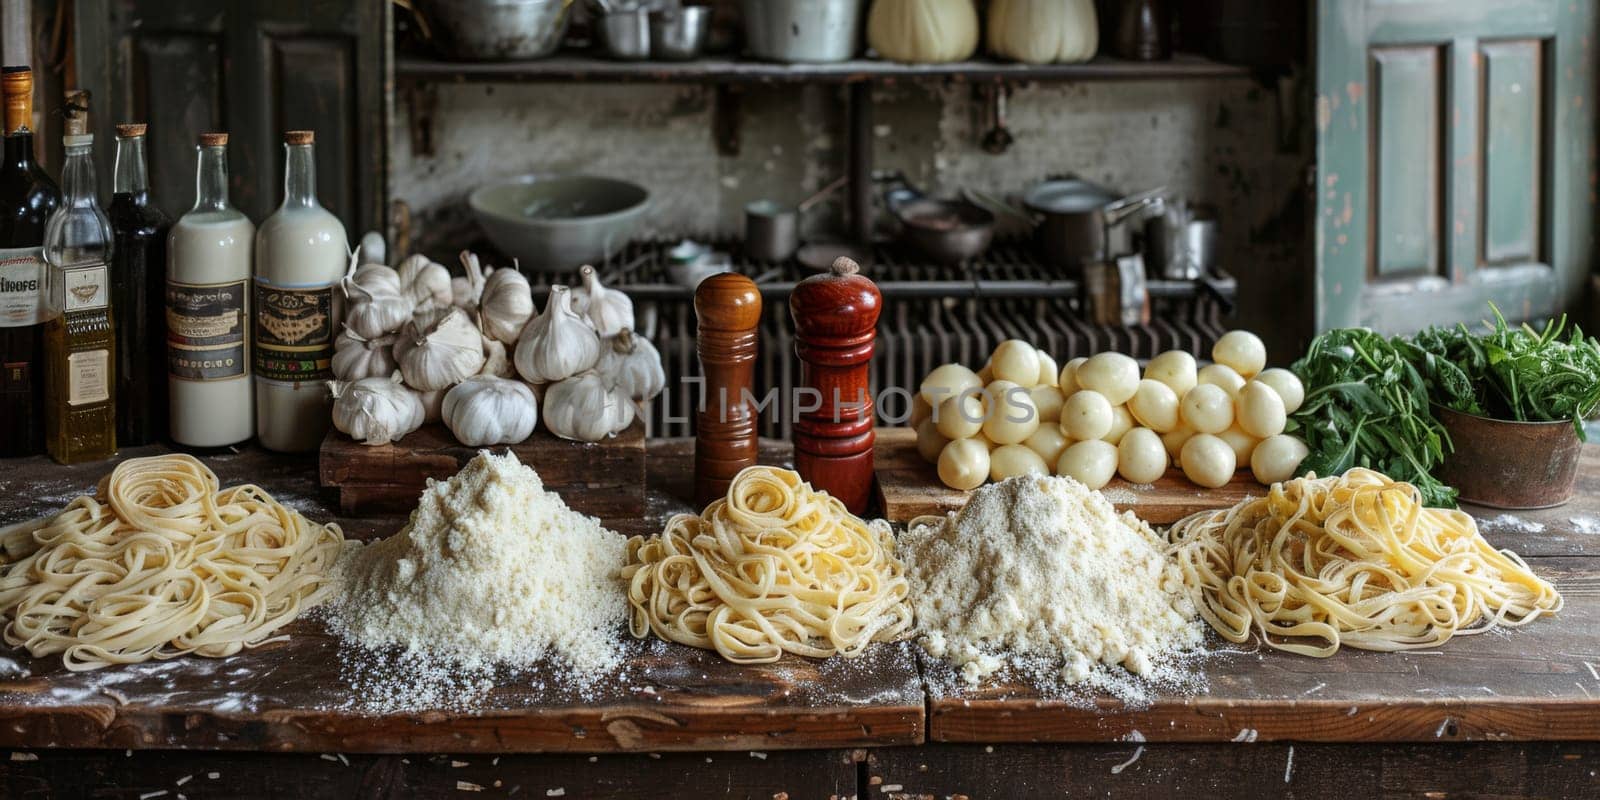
(835, 323)
(728, 307)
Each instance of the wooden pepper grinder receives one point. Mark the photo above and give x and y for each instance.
(728, 307)
(835, 323)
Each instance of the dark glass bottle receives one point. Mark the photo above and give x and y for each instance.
(138, 294)
(27, 199)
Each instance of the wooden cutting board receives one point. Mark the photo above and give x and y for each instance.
(909, 487)
(603, 479)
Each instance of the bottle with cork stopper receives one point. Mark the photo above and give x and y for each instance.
(138, 290)
(835, 323)
(80, 344)
(209, 255)
(728, 307)
(301, 254)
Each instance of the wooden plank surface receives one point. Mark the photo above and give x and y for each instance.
(599, 478)
(909, 487)
(1537, 682)
(306, 695)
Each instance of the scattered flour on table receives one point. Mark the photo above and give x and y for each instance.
(1585, 524)
(1511, 523)
(1040, 578)
(490, 572)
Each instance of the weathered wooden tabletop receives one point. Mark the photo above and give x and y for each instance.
(1540, 682)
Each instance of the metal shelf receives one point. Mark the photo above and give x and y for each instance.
(567, 68)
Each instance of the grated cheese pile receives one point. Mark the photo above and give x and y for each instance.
(490, 569)
(1043, 568)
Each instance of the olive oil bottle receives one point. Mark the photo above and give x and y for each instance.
(80, 383)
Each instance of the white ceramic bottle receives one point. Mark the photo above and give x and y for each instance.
(301, 253)
(208, 311)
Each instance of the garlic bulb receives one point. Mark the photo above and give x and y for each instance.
(586, 408)
(428, 314)
(495, 360)
(424, 281)
(608, 310)
(484, 410)
(632, 363)
(557, 344)
(506, 304)
(375, 411)
(432, 404)
(373, 250)
(355, 357)
(374, 311)
(448, 353)
(465, 291)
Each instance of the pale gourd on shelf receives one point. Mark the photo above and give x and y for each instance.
(633, 364)
(608, 310)
(505, 305)
(486, 410)
(355, 357)
(586, 408)
(923, 31)
(441, 356)
(556, 344)
(424, 281)
(1044, 31)
(375, 411)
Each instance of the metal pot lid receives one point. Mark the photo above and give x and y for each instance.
(1068, 196)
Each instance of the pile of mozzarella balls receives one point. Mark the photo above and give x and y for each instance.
(1098, 417)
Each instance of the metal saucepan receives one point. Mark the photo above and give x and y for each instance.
(772, 230)
(947, 231)
(494, 30)
(1071, 217)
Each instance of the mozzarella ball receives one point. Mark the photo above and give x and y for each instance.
(1207, 408)
(1067, 382)
(964, 464)
(1086, 415)
(984, 440)
(1049, 442)
(1141, 457)
(1175, 438)
(930, 442)
(947, 381)
(1206, 460)
(1241, 350)
(1175, 368)
(1278, 458)
(1121, 423)
(1012, 415)
(1011, 460)
(1112, 374)
(1287, 385)
(1049, 373)
(920, 410)
(1241, 441)
(1155, 406)
(1261, 410)
(960, 417)
(1016, 361)
(1091, 463)
(1221, 376)
(1048, 400)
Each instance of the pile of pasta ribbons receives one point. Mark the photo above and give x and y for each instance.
(773, 567)
(160, 562)
(1355, 560)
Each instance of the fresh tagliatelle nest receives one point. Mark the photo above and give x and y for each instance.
(773, 567)
(1355, 560)
(159, 562)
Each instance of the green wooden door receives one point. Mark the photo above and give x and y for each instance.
(1454, 162)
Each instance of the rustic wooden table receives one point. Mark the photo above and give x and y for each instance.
(1499, 715)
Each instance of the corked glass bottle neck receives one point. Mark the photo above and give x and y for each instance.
(130, 176)
(300, 177)
(77, 172)
(211, 179)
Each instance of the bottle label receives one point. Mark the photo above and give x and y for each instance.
(293, 333)
(205, 330)
(87, 377)
(84, 288)
(22, 294)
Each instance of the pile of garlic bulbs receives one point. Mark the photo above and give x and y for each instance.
(419, 346)
(1096, 417)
